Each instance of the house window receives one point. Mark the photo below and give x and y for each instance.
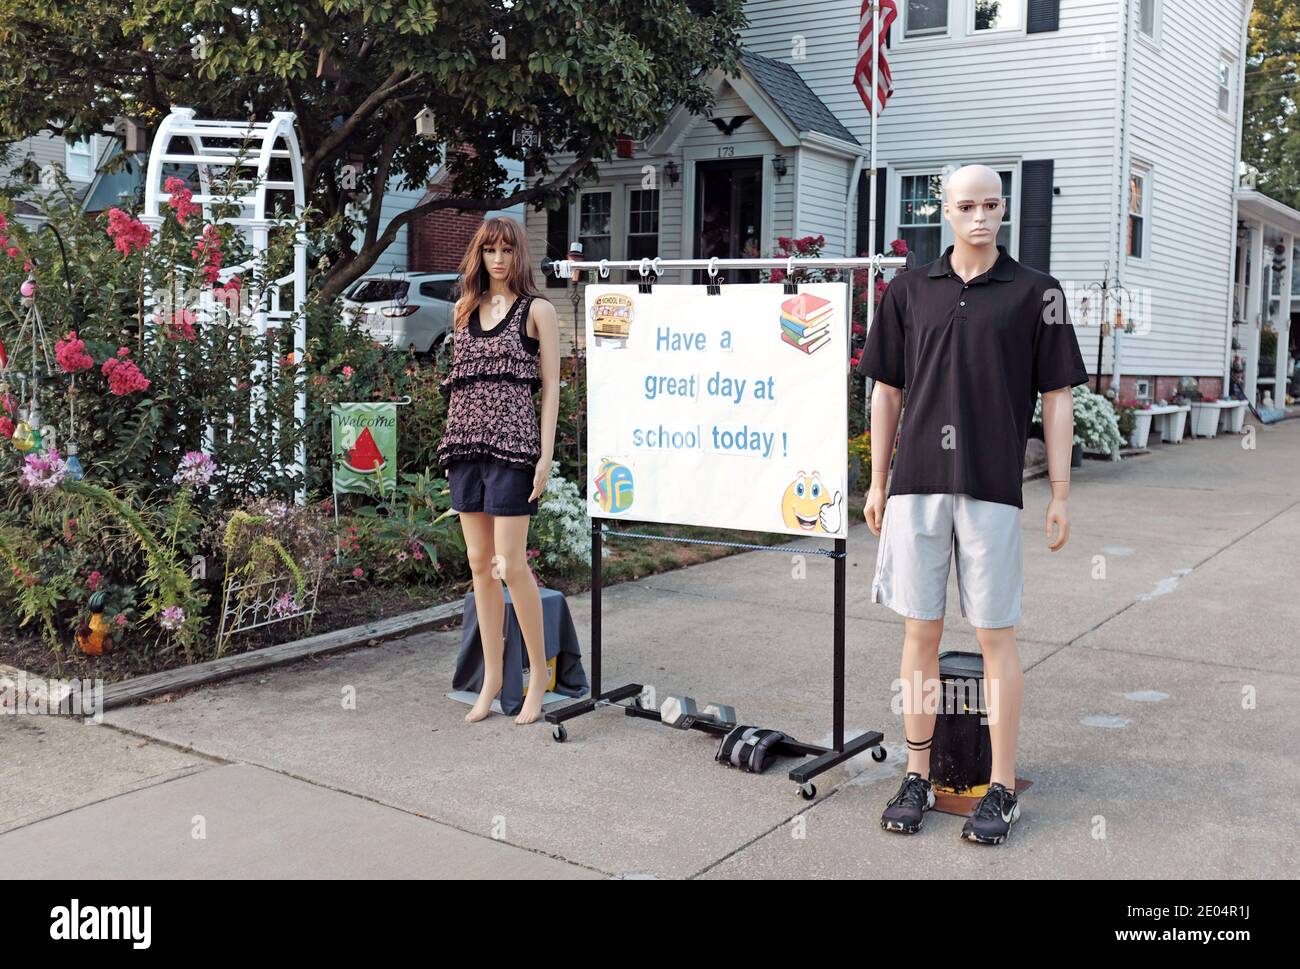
(922, 18)
(1138, 193)
(1147, 17)
(642, 228)
(1005, 230)
(78, 159)
(1142, 391)
(1225, 78)
(920, 215)
(594, 225)
(996, 15)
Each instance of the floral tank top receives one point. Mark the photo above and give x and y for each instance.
(490, 410)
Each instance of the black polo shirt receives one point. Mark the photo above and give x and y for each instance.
(971, 358)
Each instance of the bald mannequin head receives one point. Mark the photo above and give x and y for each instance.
(973, 206)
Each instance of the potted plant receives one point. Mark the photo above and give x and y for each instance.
(1096, 426)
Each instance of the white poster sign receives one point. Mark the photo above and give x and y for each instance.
(728, 410)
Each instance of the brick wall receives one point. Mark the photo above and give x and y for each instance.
(439, 238)
(1161, 386)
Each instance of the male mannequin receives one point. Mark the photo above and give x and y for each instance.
(973, 337)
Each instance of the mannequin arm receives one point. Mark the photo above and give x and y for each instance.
(886, 405)
(1058, 437)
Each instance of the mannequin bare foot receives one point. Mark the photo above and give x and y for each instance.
(483, 706)
(532, 707)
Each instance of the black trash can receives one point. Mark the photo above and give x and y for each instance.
(961, 755)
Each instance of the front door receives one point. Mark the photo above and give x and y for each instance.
(728, 215)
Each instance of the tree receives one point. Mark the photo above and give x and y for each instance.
(1270, 132)
(356, 73)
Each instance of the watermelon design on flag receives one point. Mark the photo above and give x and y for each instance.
(365, 456)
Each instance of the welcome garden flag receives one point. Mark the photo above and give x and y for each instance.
(364, 438)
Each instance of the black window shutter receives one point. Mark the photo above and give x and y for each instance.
(864, 212)
(1043, 15)
(1036, 214)
(557, 241)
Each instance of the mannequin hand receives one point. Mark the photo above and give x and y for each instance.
(831, 514)
(874, 510)
(1058, 514)
(541, 474)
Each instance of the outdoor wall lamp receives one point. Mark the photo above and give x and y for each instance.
(778, 165)
(671, 172)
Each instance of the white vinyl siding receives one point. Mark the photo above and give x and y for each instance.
(1176, 127)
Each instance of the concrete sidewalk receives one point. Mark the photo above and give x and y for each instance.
(1160, 655)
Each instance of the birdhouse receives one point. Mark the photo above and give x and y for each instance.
(424, 124)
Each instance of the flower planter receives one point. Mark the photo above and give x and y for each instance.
(1205, 419)
(1232, 416)
(1141, 429)
(1169, 420)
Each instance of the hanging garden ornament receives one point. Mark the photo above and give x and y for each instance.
(23, 439)
(73, 469)
(72, 466)
(28, 288)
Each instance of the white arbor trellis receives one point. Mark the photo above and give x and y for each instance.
(234, 162)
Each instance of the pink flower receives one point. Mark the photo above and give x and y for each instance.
(92, 583)
(173, 617)
(208, 253)
(418, 555)
(181, 199)
(124, 377)
(119, 620)
(13, 252)
(27, 266)
(347, 373)
(358, 572)
(6, 427)
(128, 234)
(71, 354)
(43, 471)
(196, 469)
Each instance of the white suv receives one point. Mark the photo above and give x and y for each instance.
(407, 310)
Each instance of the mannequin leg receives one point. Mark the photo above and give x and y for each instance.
(511, 537)
(1004, 690)
(489, 602)
(920, 660)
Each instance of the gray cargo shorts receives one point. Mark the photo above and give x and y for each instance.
(917, 536)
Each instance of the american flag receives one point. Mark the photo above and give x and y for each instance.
(863, 73)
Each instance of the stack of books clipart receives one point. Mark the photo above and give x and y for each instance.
(805, 322)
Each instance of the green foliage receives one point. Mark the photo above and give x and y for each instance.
(580, 73)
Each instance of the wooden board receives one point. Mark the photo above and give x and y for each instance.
(963, 805)
(153, 684)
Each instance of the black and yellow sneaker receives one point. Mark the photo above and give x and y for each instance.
(991, 821)
(906, 809)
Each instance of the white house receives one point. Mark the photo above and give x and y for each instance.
(1115, 125)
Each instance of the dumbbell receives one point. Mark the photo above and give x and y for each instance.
(682, 711)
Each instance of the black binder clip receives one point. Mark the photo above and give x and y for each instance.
(714, 287)
(791, 287)
(644, 286)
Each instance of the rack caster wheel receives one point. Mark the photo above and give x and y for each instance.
(878, 754)
(807, 791)
(559, 733)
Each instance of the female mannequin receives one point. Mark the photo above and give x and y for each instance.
(496, 450)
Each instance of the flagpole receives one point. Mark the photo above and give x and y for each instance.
(871, 201)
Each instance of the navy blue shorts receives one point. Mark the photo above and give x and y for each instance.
(490, 487)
